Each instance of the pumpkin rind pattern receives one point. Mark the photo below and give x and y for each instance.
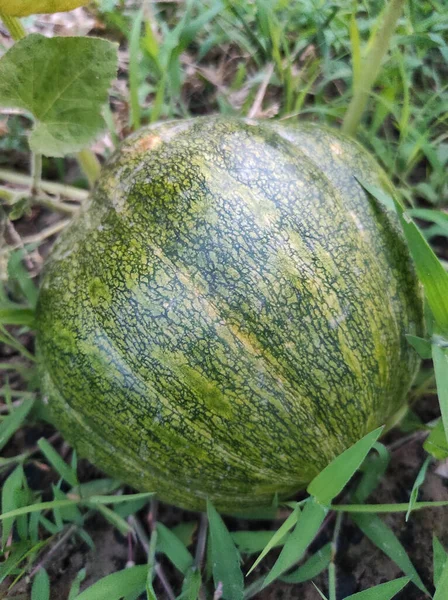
(228, 313)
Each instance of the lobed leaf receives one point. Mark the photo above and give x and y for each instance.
(63, 82)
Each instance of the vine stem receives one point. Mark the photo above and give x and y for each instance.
(14, 26)
(371, 67)
(89, 164)
(36, 173)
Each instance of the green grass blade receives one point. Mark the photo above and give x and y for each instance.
(278, 536)
(373, 469)
(440, 360)
(419, 480)
(76, 584)
(117, 585)
(332, 480)
(320, 592)
(442, 584)
(191, 585)
(420, 345)
(250, 542)
(18, 272)
(429, 268)
(304, 532)
(39, 506)
(151, 566)
(10, 498)
(134, 78)
(384, 591)
(20, 315)
(387, 508)
(436, 443)
(435, 216)
(16, 555)
(13, 421)
(385, 539)
(355, 42)
(440, 557)
(118, 522)
(9, 340)
(55, 459)
(170, 545)
(225, 557)
(41, 586)
(119, 499)
(317, 563)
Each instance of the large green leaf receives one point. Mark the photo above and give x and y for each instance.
(63, 82)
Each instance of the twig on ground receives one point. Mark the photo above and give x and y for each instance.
(58, 189)
(256, 106)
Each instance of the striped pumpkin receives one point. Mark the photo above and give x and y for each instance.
(228, 312)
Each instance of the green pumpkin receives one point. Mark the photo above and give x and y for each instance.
(228, 312)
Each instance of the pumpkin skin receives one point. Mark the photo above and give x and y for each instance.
(228, 312)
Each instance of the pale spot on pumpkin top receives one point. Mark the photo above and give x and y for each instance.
(145, 143)
(336, 148)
